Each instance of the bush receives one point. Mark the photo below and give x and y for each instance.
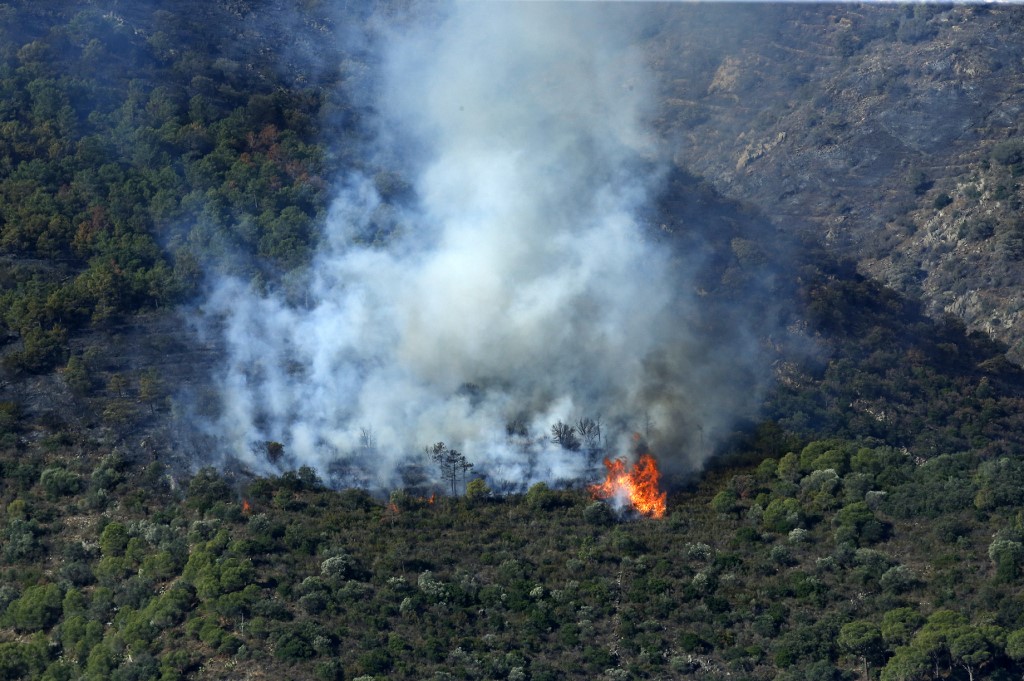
(206, 489)
(59, 482)
(782, 515)
(477, 489)
(725, 502)
(114, 540)
(1009, 152)
(38, 608)
(598, 513)
(292, 646)
(857, 523)
(898, 579)
(1007, 556)
(540, 497)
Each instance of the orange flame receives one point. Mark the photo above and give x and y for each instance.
(639, 485)
(246, 506)
(432, 499)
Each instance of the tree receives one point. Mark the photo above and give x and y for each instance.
(1015, 645)
(970, 648)
(516, 427)
(477, 489)
(863, 639)
(451, 462)
(857, 523)
(76, 375)
(782, 515)
(149, 388)
(1007, 556)
(899, 625)
(725, 502)
(934, 638)
(38, 608)
(907, 664)
(590, 432)
(564, 435)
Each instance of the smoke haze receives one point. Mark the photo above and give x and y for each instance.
(513, 281)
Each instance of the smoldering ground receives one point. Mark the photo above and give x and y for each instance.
(512, 287)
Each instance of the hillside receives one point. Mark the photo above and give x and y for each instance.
(892, 133)
(832, 239)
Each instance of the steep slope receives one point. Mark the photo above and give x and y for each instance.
(889, 132)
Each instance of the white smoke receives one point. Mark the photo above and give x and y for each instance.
(517, 283)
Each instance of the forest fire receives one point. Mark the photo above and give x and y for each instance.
(638, 486)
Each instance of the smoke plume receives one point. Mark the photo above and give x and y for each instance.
(510, 286)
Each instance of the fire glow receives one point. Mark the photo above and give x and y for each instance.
(638, 485)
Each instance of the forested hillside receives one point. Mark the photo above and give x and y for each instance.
(866, 522)
(135, 147)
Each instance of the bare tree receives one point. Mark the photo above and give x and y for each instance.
(367, 441)
(516, 427)
(466, 466)
(590, 432)
(565, 435)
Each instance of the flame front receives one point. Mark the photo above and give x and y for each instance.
(639, 485)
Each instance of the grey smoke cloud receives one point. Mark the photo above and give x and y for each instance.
(518, 283)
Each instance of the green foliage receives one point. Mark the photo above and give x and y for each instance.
(178, 584)
(111, 140)
(598, 513)
(1007, 555)
(863, 639)
(59, 482)
(114, 540)
(1015, 645)
(1000, 483)
(906, 664)
(477, 489)
(23, 659)
(38, 608)
(857, 523)
(782, 515)
(206, 488)
(540, 497)
(725, 502)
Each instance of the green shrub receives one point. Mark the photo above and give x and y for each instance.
(598, 513)
(207, 488)
(59, 482)
(292, 646)
(38, 608)
(782, 515)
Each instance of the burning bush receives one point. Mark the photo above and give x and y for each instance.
(638, 487)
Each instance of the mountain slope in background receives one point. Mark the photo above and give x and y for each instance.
(892, 133)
